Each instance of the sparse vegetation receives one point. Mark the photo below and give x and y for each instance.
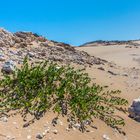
(36, 89)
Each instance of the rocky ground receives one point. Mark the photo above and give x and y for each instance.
(101, 67)
(16, 46)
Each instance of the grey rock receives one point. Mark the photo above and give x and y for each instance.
(2, 57)
(31, 54)
(8, 67)
(134, 109)
(4, 119)
(39, 136)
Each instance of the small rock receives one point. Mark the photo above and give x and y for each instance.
(29, 137)
(2, 58)
(10, 138)
(67, 129)
(74, 128)
(47, 130)
(60, 122)
(4, 119)
(54, 121)
(105, 137)
(39, 136)
(134, 109)
(112, 73)
(8, 67)
(88, 131)
(77, 125)
(44, 134)
(101, 68)
(55, 131)
(125, 74)
(31, 54)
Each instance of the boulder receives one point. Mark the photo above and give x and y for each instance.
(134, 109)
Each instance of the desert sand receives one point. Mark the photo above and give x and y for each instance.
(121, 72)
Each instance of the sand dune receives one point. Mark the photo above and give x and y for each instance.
(122, 71)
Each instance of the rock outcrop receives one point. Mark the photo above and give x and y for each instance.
(15, 46)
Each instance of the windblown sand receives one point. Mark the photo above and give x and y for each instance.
(124, 61)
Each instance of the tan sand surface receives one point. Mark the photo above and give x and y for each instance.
(122, 62)
(125, 57)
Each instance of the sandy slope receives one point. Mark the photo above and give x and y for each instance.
(122, 63)
(125, 58)
(102, 77)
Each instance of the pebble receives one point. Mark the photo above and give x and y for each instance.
(67, 129)
(39, 136)
(8, 66)
(44, 134)
(47, 131)
(29, 137)
(31, 54)
(55, 131)
(60, 122)
(4, 119)
(77, 125)
(10, 138)
(2, 58)
(105, 137)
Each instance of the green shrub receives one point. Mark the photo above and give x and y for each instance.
(37, 89)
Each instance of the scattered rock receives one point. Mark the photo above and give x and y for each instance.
(60, 122)
(55, 121)
(29, 137)
(55, 131)
(101, 68)
(30, 54)
(2, 57)
(8, 67)
(10, 138)
(125, 74)
(39, 136)
(112, 73)
(67, 129)
(4, 119)
(134, 109)
(105, 137)
(44, 134)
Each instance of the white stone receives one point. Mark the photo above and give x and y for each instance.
(29, 137)
(4, 119)
(44, 134)
(105, 137)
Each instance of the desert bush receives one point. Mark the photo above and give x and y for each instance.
(37, 89)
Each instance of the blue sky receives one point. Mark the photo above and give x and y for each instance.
(73, 21)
